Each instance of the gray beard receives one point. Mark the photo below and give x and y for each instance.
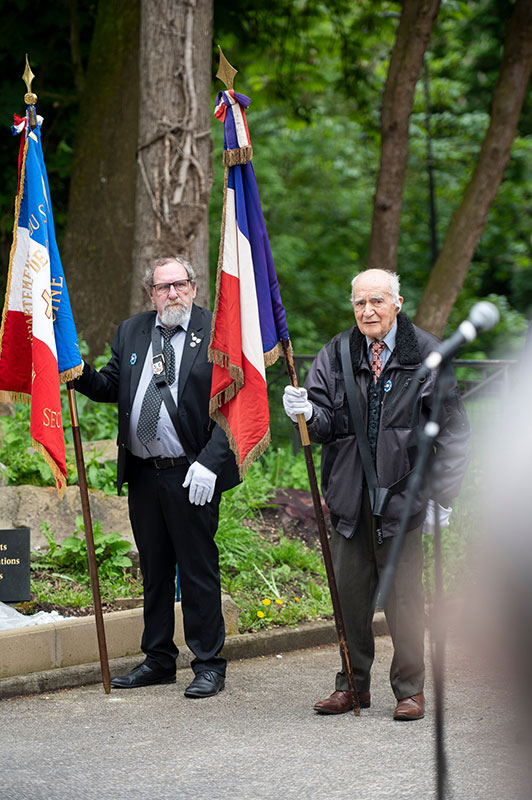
(174, 315)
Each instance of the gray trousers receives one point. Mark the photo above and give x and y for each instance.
(358, 562)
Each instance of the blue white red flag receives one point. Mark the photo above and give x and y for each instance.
(38, 340)
(249, 320)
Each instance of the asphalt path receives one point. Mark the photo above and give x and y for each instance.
(261, 740)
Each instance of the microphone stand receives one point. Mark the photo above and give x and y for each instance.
(422, 468)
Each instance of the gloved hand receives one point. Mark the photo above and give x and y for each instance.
(201, 481)
(429, 523)
(295, 401)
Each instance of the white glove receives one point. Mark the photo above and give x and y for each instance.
(429, 524)
(295, 402)
(201, 481)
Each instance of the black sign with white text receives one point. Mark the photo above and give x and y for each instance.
(15, 565)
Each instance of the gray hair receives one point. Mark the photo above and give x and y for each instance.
(394, 284)
(147, 280)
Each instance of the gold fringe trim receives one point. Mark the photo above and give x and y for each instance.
(15, 397)
(253, 454)
(18, 201)
(237, 381)
(273, 355)
(240, 155)
(60, 479)
(70, 374)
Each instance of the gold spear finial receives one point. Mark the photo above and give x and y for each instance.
(30, 98)
(226, 72)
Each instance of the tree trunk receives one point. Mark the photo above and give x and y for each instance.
(413, 34)
(174, 170)
(448, 274)
(98, 242)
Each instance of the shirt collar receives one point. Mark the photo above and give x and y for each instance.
(389, 339)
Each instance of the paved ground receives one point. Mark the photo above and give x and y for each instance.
(259, 739)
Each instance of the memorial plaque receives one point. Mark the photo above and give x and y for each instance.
(15, 565)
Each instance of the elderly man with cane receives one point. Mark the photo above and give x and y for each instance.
(364, 403)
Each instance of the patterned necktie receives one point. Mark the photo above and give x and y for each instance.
(151, 403)
(376, 363)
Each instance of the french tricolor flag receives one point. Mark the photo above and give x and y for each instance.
(249, 320)
(38, 340)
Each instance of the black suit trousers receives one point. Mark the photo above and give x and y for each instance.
(169, 529)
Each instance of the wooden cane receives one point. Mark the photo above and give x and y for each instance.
(322, 531)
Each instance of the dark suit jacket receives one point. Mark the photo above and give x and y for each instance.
(117, 381)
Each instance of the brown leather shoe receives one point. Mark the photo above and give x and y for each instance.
(340, 702)
(410, 708)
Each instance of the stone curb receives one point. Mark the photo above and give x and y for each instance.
(239, 646)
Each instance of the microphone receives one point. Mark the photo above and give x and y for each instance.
(482, 317)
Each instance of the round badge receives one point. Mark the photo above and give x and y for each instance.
(133, 359)
(387, 386)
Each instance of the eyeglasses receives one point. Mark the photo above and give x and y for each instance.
(181, 286)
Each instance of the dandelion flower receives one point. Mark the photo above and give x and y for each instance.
(266, 601)
(260, 614)
(296, 599)
(278, 601)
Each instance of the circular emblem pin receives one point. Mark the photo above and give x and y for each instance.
(387, 386)
(133, 359)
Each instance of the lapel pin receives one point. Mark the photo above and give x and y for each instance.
(387, 386)
(133, 359)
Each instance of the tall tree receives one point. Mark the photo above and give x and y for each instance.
(174, 144)
(413, 35)
(98, 243)
(448, 274)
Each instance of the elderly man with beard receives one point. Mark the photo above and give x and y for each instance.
(176, 463)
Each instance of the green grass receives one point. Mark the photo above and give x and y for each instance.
(273, 582)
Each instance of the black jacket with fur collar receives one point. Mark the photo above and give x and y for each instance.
(406, 407)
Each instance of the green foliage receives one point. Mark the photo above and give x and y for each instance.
(102, 476)
(97, 421)
(23, 464)
(57, 590)
(281, 467)
(70, 556)
(255, 570)
(26, 466)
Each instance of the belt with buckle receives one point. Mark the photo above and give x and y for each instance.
(166, 463)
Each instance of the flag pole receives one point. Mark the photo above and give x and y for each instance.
(89, 537)
(322, 531)
(30, 98)
(240, 136)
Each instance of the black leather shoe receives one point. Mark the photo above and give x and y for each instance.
(143, 675)
(205, 684)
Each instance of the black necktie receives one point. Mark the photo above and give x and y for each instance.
(151, 403)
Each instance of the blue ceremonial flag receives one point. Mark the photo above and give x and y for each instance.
(38, 340)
